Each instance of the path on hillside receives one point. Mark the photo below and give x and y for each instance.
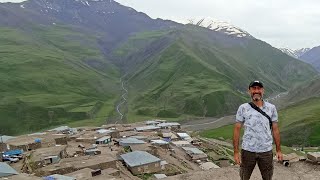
(123, 99)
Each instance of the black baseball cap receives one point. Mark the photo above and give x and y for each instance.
(256, 83)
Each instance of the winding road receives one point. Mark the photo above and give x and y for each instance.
(124, 100)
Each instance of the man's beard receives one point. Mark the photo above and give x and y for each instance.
(256, 97)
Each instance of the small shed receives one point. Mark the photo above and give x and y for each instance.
(195, 153)
(140, 162)
(104, 140)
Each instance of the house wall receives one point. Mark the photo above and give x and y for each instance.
(198, 156)
(115, 134)
(101, 165)
(148, 168)
(26, 147)
(3, 147)
(61, 141)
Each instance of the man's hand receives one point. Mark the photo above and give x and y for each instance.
(237, 158)
(279, 156)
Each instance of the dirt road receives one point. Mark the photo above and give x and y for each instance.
(207, 123)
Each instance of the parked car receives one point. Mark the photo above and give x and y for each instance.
(17, 156)
(10, 159)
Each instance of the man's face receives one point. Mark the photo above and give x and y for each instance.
(256, 93)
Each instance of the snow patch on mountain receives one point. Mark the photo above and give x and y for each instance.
(219, 26)
(295, 53)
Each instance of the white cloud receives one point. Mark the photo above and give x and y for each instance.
(289, 23)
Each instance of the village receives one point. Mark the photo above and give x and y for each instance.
(154, 149)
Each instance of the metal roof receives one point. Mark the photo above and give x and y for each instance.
(5, 138)
(159, 141)
(104, 138)
(145, 128)
(168, 124)
(138, 158)
(183, 135)
(60, 177)
(193, 150)
(130, 141)
(102, 131)
(6, 170)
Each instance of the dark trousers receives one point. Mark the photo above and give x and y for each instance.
(249, 161)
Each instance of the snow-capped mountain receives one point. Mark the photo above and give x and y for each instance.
(219, 26)
(302, 51)
(295, 53)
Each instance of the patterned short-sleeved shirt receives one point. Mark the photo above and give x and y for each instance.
(257, 135)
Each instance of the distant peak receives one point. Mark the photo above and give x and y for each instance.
(219, 26)
(295, 53)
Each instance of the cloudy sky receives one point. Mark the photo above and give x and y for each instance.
(282, 23)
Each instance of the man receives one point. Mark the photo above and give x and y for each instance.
(257, 138)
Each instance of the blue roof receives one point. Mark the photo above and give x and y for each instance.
(13, 152)
(138, 158)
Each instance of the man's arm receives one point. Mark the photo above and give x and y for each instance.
(236, 136)
(276, 136)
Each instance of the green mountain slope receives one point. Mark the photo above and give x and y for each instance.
(193, 71)
(50, 76)
(300, 124)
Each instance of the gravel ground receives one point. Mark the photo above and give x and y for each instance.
(297, 171)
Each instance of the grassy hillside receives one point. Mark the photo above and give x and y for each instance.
(195, 72)
(51, 76)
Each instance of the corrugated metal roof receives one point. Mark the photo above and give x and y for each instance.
(6, 170)
(193, 150)
(138, 158)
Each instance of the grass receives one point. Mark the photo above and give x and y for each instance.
(99, 119)
(51, 70)
(180, 85)
(226, 132)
